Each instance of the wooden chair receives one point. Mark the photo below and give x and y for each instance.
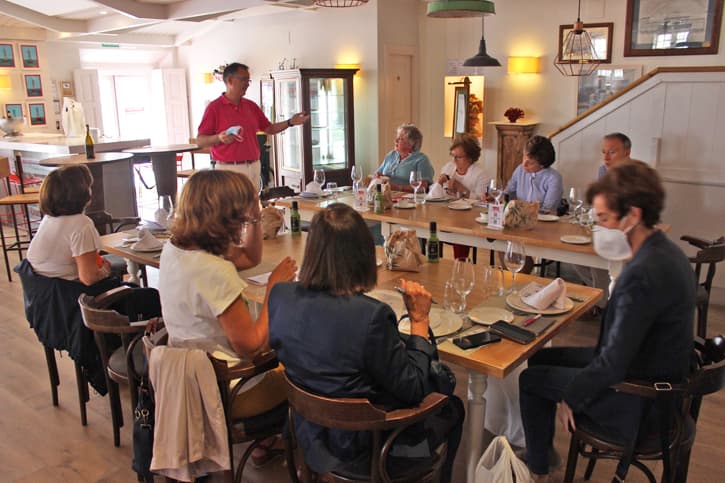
(708, 378)
(198, 151)
(103, 320)
(24, 200)
(231, 381)
(353, 414)
(710, 253)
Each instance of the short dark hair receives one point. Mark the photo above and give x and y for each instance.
(628, 184)
(232, 69)
(541, 149)
(470, 146)
(66, 191)
(626, 142)
(340, 253)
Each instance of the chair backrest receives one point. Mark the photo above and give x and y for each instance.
(99, 317)
(105, 223)
(4, 167)
(240, 372)
(711, 252)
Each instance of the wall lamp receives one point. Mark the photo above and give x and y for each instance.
(524, 65)
(5, 82)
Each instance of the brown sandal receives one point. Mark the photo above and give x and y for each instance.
(268, 453)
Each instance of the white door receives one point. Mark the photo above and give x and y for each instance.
(132, 106)
(171, 104)
(399, 91)
(88, 93)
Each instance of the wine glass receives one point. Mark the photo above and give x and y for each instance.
(495, 189)
(319, 177)
(415, 182)
(451, 298)
(464, 278)
(575, 202)
(586, 219)
(515, 258)
(356, 174)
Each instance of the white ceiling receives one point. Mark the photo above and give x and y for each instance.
(145, 22)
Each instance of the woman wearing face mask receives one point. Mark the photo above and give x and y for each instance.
(646, 332)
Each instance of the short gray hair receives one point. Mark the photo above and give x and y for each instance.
(413, 135)
(626, 142)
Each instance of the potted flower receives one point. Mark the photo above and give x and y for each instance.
(514, 113)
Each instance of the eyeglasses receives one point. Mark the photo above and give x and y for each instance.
(243, 80)
(455, 156)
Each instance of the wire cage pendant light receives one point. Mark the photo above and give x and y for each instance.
(340, 3)
(578, 57)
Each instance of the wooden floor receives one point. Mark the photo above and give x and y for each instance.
(42, 443)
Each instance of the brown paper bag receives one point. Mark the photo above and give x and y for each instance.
(387, 194)
(403, 251)
(272, 221)
(521, 214)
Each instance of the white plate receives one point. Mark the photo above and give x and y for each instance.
(442, 322)
(309, 194)
(543, 217)
(459, 206)
(404, 205)
(482, 219)
(514, 301)
(437, 200)
(576, 239)
(489, 315)
(390, 297)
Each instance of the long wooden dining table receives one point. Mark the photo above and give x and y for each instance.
(497, 360)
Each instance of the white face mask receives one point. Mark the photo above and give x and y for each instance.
(612, 243)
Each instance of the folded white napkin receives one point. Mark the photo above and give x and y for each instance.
(463, 203)
(552, 295)
(146, 241)
(436, 191)
(313, 187)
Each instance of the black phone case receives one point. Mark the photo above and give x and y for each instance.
(476, 340)
(513, 332)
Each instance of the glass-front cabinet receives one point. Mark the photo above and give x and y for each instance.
(327, 140)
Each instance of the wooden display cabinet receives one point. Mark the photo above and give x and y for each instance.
(512, 137)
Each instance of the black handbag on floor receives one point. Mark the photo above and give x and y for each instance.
(143, 431)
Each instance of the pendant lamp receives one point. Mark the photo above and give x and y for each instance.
(468, 8)
(340, 3)
(577, 57)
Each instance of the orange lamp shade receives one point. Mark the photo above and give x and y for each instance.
(523, 65)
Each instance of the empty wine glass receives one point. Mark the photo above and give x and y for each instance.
(319, 177)
(451, 298)
(356, 174)
(575, 202)
(495, 189)
(515, 258)
(415, 182)
(463, 277)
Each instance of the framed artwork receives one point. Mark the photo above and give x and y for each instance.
(33, 86)
(13, 110)
(36, 112)
(29, 54)
(7, 57)
(460, 111)
(601, 34)
(604, 82)
(672, 27)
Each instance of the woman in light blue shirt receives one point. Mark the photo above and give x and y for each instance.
(534, 179)
(404, 158)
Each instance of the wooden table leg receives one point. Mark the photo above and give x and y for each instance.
(475, 418)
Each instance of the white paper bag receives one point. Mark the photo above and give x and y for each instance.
(499, 464)
(73, 118)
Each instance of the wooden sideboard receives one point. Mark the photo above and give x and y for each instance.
(512, 137)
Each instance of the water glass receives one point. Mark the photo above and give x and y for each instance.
(495, 189)
(515, 258)
(452, 300)
(332, 188)
(492, 282)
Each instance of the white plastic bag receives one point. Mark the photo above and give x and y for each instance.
(499, 464)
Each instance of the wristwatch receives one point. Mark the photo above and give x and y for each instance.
(289, 122)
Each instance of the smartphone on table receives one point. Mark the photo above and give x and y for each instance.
(477, 340)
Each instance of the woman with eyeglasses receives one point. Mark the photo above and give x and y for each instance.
(462, 176)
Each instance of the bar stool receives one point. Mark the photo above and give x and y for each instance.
(24, 200)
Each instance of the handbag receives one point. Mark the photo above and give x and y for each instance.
(499, 464)
(440, 377)
(143, 431)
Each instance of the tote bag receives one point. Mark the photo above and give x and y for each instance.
(499, 464)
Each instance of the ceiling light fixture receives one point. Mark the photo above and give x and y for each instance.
(467, 8)
(340, 3)
(577, 57)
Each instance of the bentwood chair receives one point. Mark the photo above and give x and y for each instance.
(99, 315)
(680, 406)
(357, 414)
(11, 201)
(710, 254)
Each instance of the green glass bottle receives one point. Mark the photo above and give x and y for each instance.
(90, 154)
(294, 219)
(378, 203)
(433, 244)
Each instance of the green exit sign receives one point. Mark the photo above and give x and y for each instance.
(110, 46)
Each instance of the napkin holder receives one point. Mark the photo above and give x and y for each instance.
(403, 251)
(272, 220)
(521, 214)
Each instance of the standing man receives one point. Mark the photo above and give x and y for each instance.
(238, 151)
(616, 148)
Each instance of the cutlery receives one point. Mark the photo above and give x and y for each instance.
(402, 291)
(531, 320)
(575, 298)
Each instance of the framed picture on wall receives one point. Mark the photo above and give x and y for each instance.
(13, 110)
(29, 54)
(33, 86)
(7, 56)
(601, 34)
(460, 111)
(604, 82)
(671, 27)
(36, 112)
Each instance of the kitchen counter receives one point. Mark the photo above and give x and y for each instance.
(56, 144)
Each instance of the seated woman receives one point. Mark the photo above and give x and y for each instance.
(336, 341)
(66, 244)
(462, 177)
(534, 179)
(216, 232)
(405, 158)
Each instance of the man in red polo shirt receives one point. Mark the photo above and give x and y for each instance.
(238, 151)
